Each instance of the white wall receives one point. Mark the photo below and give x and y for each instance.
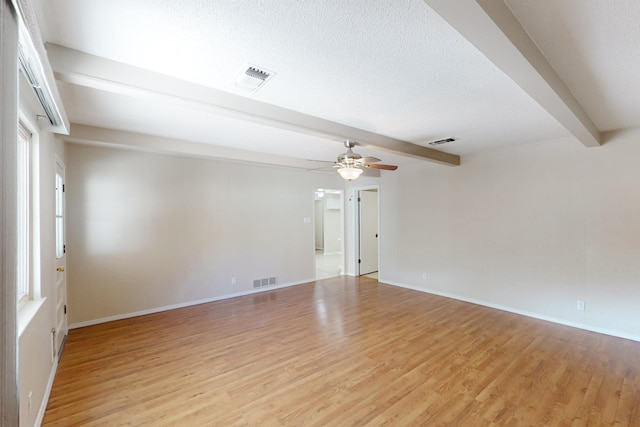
(530, 229)
(147, 230)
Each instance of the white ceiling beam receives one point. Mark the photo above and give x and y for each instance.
(92, 135)
(95, 72)
(492, 28)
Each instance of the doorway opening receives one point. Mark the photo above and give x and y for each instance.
(329, 233)
(367, 215)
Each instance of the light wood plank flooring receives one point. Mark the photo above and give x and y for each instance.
(343, 352)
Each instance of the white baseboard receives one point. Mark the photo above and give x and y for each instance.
(183, 304)
(516, 311)
(381, 280)
(47, 393)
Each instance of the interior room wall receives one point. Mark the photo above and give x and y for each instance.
(148, 231)
(531, 229)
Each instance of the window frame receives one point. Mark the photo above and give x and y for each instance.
(24, 216)
(27, 218)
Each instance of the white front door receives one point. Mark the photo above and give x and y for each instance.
(60, 291)
(368, 231)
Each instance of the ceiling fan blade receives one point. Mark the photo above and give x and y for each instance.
(384, 167)
(370, 159)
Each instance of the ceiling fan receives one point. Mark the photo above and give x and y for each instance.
(350, 165)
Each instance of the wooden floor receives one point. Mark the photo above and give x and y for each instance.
(343, 352)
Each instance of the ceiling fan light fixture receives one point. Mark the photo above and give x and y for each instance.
(350, 172)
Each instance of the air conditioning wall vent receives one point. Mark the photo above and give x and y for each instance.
(266, 281)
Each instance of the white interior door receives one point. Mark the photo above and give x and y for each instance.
(60, 291)
(368, 231)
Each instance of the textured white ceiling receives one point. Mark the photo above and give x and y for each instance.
(594, 45)
(394, 68)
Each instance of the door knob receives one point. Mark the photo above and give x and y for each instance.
(60, 269)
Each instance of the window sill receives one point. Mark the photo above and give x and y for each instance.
(27, 312)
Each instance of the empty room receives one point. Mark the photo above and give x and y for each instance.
(320, 213)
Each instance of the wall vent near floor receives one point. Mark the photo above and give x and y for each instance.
(267, 281)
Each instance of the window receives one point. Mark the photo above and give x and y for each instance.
(59, 215)
(24, 214)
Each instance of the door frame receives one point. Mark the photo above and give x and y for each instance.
(9, 405)
(61, 333)
(356, 228)
(343, 247)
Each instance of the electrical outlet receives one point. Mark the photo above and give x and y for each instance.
(424, 276)
(580, 305)
(234, 280)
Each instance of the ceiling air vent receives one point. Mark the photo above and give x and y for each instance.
(441, 141)
(251, 78)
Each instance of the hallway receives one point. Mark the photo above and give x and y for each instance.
(327, 266)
